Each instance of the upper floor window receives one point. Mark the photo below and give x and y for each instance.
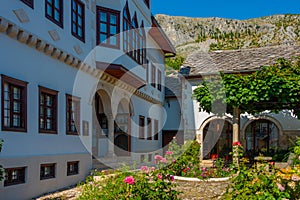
(147, 2)
(28, 3)
(72, 115)
(159, 80)
(78, 19)
(108, 27)
(14, 176)
(153, 75)
(54, 11)
(14, 104)
(141, 127)
(149, 129)
(47, 110)
(133, 37)
(156, 132)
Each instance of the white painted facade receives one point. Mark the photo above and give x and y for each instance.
(63, 63)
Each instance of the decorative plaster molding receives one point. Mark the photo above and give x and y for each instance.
(54, 35)
(21, 15)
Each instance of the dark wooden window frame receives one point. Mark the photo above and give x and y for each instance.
(54, 94)
(149, 128)
(60, 10)
(23, 104)
(156, 132)
(108, 24)
(75, 170)
(21, 171)
(153, 75)
(141, 127)
(69, 109)
(29, 3)
(52, 166)
(159, 77)
(74, 22)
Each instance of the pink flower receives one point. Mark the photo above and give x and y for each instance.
(145, 169)
(163, 160)
(157, 157)
(280, 187)
(159, 176)
(129, 180)
(169, 152)
(152, 168)
(295, 178)
(236, 144)
(172, 178)
(174, 160)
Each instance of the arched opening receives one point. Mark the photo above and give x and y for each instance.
(217, 139)
(261, 137)
(102, 106)
(122, 127)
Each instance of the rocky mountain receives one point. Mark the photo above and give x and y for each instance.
(190, 34)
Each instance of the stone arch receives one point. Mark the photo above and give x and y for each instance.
(201, 132)
(261, 119)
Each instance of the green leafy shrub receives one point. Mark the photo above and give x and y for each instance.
(148, 183)
(175, 62)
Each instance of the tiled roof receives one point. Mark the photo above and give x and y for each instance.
(172, 87)
(242, 60)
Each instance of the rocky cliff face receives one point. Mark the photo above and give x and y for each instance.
(190, 34)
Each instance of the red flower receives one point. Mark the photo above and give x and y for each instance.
(236, 144)
(129, 180)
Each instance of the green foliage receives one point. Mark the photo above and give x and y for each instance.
(175, 62)
(274, 88)
(254, 183)
(182, 157)
(1, 169)
(148, 184)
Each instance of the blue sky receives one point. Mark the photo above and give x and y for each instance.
(234, 9)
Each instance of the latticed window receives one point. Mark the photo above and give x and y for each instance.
(14, 176)
(156, 132)
(54, 11)
(108, 27)
(72, 115)
(141, 127)
(78, 19)
(159, 80)
(153, 75)
(47, 110)
(149, 129)
(14, 101)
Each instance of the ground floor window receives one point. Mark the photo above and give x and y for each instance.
(73, 168)
(14, 176)
(47, 171)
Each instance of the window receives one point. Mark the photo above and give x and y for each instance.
(54, 11)
(14, 104)
(147, 2)
(159, 80)
(153, 75)
(72, 115)
(47, 171)
(149, 157)
(85, 128)
(142, 158)
(14, 176)
(149, 129)
(47, 110)
(108, 27)
(133, 37)
(156, 129)
(73, 168)
(141, 127)
(78, 19)
(28, 3)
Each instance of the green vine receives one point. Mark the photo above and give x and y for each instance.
(273, 88)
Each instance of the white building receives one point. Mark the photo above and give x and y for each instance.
(263, 133)
(79, 79)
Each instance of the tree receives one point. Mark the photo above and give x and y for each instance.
(273, 88)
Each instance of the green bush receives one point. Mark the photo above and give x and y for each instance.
(148, 183)
(175, 62)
